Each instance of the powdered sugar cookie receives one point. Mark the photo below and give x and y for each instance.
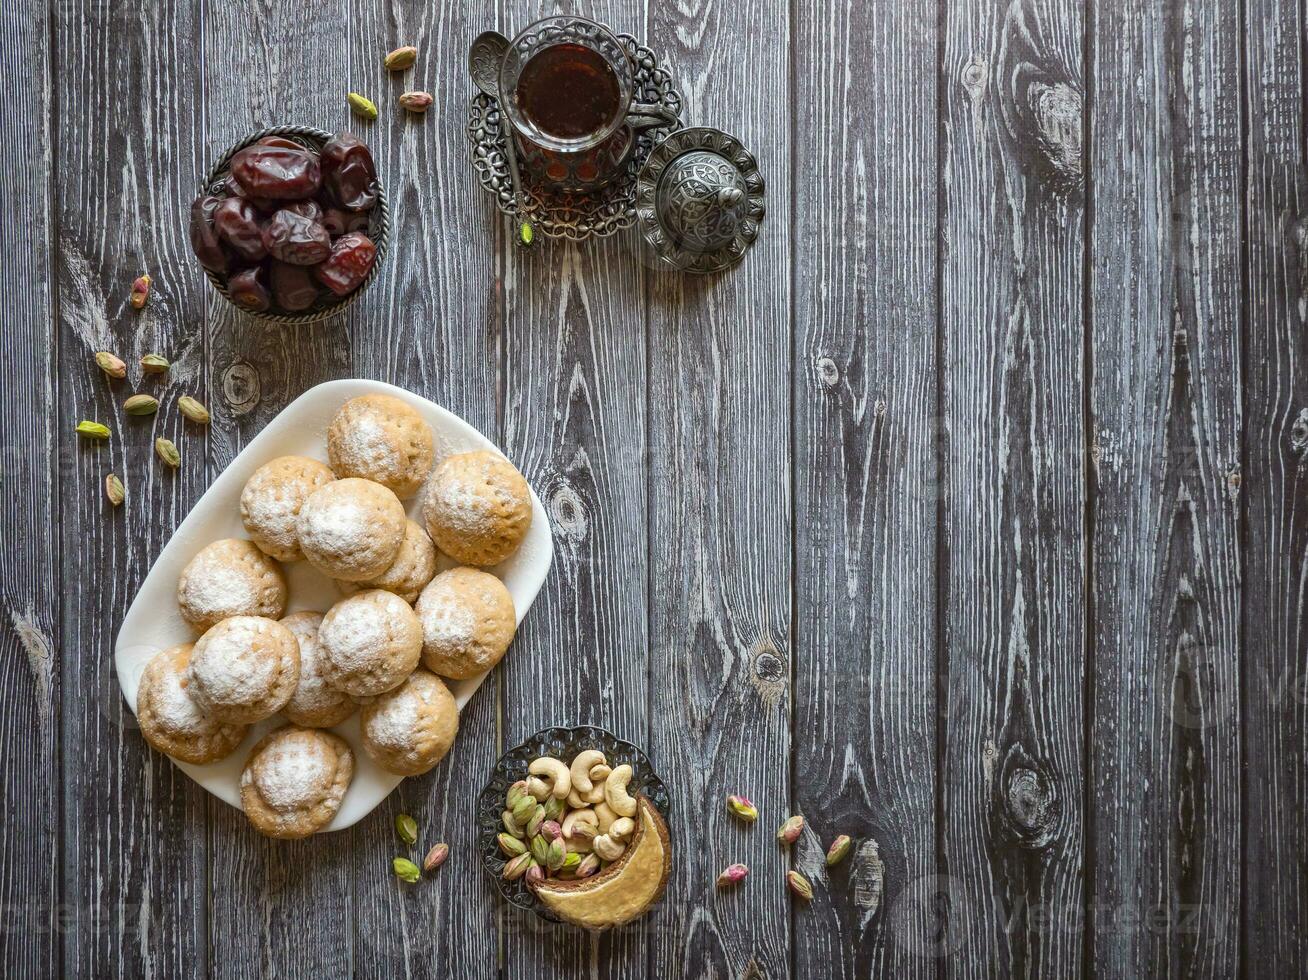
(467, 622)
(351, 529)
(315, 703)
(170, 719)
(477, 507)
(271, 502)
(408, 730)
(244, 669)
(230, 577)
(412, 569)
(370, 643)
(381, 438)
(294, 781)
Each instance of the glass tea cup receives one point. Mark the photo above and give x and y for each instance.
(567, 88)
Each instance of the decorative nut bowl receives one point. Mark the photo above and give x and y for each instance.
(378, 228)
(559, 743)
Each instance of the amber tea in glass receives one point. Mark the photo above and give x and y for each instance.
(569, 91)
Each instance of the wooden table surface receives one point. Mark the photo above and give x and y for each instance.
(966, 517)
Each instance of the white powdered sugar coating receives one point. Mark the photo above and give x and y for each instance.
(230, 577)
(293, 772)
(341, 526)
(176, 713)
(365, 445)
(381, 438)
(231, 663)
(358, 629)
(272, 498)
(449, 623)
(313, 693)
(395, 725)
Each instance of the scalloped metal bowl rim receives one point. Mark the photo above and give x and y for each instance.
(488, 807)
(313, 316)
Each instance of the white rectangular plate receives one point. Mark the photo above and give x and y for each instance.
(154, 622)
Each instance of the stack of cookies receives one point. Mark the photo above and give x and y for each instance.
(382, 649)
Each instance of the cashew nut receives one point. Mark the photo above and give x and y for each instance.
(578, 845)
(615, 792)
(576, 817)
(599, 773)
(576, 800)
(556, 774)
(538, 789)
(604, 817)
(607, 848)
(581, 767)
(622, 829)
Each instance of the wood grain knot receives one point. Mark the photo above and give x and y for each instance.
(975, 75)
(1299, 433)
(769, 674)
(1043, 118)
(1026, 802)
(828, 373)
(241, 387)
(1032, 806)
(567, 512)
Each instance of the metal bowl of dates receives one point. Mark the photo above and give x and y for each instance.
(313, 242)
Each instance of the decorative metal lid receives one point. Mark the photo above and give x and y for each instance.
(699, 199)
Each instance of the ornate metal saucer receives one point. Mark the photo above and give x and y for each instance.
(576, 216)
(700, 200)
(561, 743)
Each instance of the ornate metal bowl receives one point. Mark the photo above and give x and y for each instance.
(561, 743)
(700, 200)
(379, 227)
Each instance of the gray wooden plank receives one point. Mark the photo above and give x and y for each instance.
(1165, 294)
(720, 520)
(277, 908)
(574, 420)
(30, 477)
(1011, 288)
(866, 447)
(134, 848)
(1275, 470)
(431, 325)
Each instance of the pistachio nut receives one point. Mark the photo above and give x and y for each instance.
(799, 885)
(741, 807)
(525, 810)
(92, 430)
(193, 410)
(110, 365)
(556, 854)
(515, 794)
(838, 849)
(407, 828)
(536, 822)
(571, 861)
(510, 824)
(540, 848)
(140, 292)
(791, 829)
(517, 867)
(401, 58)
(588, 866)
(416, 101)
(141, 405)
(510, 846)
(436, 857)
(168, 452)
(732, 874)
(406, 870)
(551, 830)
(113, 489)
(535, 875)
(364, 108)
(553, 808)
(154, 364)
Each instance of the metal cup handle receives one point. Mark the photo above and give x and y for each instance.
(650, 115)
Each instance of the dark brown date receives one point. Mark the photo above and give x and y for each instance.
(348, 173)
(204, 238)
(277, 172)
(237, 224)
(352, 256)
(338, 221)
(296, 239)
(306, 209)
(293, 287)
(232, 187)
(248, 291)
(282, 141)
